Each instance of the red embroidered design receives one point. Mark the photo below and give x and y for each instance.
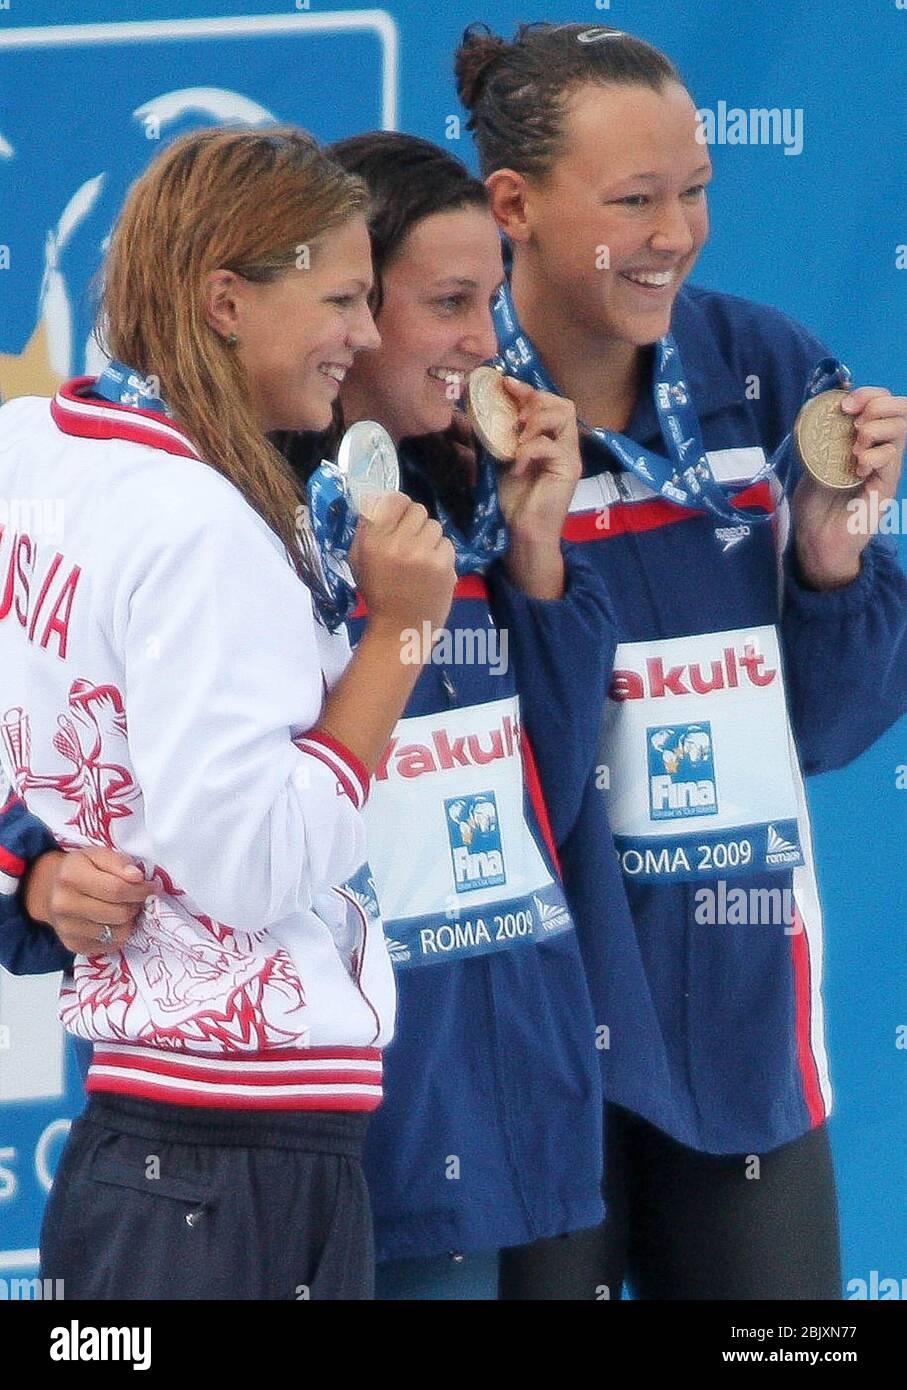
(92, 737)
(181, 979)
(187, 982)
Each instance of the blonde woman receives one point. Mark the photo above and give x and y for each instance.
(172, 688)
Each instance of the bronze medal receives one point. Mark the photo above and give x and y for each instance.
(492, 413)
(825, 437)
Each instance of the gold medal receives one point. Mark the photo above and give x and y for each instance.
(492, 413)
(825, 438)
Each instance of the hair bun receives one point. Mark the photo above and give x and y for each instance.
(478, 53)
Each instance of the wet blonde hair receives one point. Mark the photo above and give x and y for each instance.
(243, 200)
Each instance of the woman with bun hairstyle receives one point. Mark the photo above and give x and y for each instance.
(759, 638)
(489, 1134)
(173, 696)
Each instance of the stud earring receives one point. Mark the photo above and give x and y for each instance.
(232, 341)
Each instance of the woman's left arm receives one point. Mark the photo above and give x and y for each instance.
(563, 655)
(551, 603)
(844, 619)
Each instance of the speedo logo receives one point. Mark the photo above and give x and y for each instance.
(731, 536)
(657, 681)
(442, 753)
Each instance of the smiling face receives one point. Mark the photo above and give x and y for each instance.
(435, 324)
(298, 334)
(619, 221)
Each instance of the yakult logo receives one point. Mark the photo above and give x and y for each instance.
(690, 678)
(443, 752)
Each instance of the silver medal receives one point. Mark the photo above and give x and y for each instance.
(367, 459)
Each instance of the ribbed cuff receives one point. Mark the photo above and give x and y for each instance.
(351, 772)
(830, 605)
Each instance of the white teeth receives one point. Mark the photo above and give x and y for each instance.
(656, 279)
(447, 374)
(332, 370)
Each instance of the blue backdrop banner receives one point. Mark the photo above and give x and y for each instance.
(802, 105)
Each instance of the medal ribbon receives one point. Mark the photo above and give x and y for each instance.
(325, 529)
(333, 520)
(685, 477)
(123, 386)
(487, 537)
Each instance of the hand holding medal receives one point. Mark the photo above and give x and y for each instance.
(533, 434)
(403, 564)
(852, 446)
(338, 494)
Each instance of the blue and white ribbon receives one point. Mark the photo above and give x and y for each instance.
(487, 538)
(685, 477)
(333, 520)
(123, 386)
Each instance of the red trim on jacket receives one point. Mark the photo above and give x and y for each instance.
(351, 772)
(320, 1078)
(537, 798)
(11, 863)
(617, 520)
(812, 1091)
(74, 414)
(467, 586)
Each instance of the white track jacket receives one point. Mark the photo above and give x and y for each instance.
(161, 669)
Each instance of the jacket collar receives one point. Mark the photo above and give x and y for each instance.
(75, 412)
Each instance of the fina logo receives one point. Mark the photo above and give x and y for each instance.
(475, 842)
(681, 771)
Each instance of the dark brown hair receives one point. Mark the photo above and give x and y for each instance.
(408, 179)
(516, 91)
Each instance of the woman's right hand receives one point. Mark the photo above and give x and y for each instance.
(78, 892)
(403, 564)
(404, 567)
